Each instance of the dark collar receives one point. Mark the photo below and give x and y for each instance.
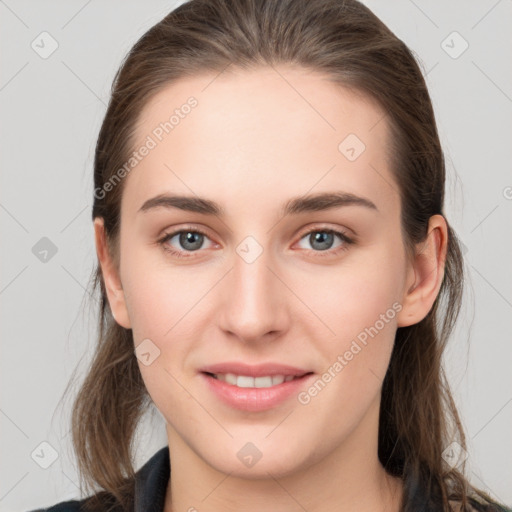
(151, 482)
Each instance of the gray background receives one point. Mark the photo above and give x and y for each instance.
(51, 110)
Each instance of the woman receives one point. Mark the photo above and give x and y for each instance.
(276, 271)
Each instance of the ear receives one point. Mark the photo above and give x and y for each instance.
(425, 274)
(113, 286)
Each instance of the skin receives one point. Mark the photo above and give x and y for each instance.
(256, 139)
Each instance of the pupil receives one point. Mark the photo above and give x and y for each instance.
(324, 238)
(188, 238)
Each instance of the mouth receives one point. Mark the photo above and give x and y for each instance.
(248, 381)
(267, 390)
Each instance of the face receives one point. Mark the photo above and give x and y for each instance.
(317, 290)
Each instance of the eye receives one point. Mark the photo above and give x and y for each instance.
(192, 240)
(322, 241)
(188, 240)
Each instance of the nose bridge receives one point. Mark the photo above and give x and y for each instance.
(253, 301)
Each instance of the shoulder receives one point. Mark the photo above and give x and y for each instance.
(63, 506)
(150, 488)
(98, 502)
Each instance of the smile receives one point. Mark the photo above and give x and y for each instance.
(245, 381)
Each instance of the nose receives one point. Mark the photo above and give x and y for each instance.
(256, 301)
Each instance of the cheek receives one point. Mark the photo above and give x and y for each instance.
(167, 306)
(164, 305)
(359, 303)
(158, 294)
(354, 295)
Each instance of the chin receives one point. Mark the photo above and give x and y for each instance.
(252, 463)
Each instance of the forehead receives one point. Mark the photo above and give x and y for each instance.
(263, 130)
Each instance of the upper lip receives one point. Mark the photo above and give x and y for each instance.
(259, 370)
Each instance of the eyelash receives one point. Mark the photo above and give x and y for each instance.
(329, 252)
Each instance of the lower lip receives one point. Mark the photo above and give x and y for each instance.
(255, 399)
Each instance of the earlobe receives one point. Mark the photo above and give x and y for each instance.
(110, 273)
(426, 274)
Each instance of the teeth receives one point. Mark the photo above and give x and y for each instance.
(229, 378)
(244, 381)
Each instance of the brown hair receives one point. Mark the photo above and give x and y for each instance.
(346, 41)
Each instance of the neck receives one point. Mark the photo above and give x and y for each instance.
(349, 478)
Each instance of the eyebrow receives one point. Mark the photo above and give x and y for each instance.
(309, 203)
